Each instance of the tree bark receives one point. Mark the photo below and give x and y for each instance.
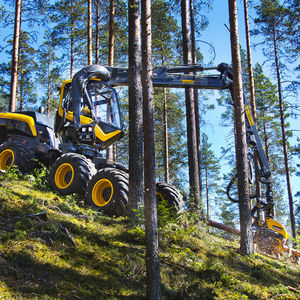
(111, 55)
(249, 60)
(89, 27)
(190, 111)
(136, 192)
(15, 59)
(97, 32)
(48, 82)
(284, 138)
(251, 83)
(246, 245)
(72, 39)
(152, 259)
(166, 138)
(196, 99)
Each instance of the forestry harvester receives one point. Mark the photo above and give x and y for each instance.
(88, 120)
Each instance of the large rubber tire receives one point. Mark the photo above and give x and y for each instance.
(169, 194)
(15, 153)
(70, 174)
(108, 191)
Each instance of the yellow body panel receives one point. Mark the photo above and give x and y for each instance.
(249, 116)
(98, 131)
(276, 226)
(188, 81)
(60, 108)
(20, 117)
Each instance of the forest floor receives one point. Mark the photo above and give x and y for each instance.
(74, 252)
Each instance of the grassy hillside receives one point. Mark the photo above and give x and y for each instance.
(78, 253)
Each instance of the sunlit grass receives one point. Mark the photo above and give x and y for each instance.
(39, 261)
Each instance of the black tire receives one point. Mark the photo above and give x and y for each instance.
(108, 191)
(15, 153)
(168, 193)
(70, 174)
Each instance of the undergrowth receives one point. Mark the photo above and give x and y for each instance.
(54, 247)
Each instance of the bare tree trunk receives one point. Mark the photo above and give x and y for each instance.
(15, 58)
(97, 32)
(21, 87)
(72, 40)
(48, 82)
(111, 55)
(136, 192)
(152, 259)
(166, 137)
(284, 138)
(196, 99)
(249, 60)
(266, 142)
(89, 27)
(246, 246)
(252, 86)
(190, 111)
(111, 41)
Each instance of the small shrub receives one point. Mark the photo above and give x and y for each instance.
(41, 177)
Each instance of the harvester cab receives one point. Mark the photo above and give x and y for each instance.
(88, 114)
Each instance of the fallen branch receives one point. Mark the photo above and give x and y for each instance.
(66, 231)
(291, 251)
(293, 289)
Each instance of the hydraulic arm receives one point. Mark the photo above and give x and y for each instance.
(85, 99)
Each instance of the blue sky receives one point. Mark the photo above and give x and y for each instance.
(218, 35)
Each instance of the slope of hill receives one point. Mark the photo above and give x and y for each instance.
(69, 251)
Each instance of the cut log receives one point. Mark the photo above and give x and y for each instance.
(223, 227)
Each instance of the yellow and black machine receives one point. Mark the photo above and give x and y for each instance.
(27, 137)
(88, 120)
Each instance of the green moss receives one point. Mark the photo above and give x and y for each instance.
(39, 261)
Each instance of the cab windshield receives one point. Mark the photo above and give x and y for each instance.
(105, 102)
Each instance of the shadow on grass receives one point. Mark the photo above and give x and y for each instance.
(23, 275)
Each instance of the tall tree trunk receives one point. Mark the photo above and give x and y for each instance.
(166, 138)
(136, 192)
(89, 27)
(48, 82)
(190, 111)
(284, 138)
(240, 137)
(97, 32)
(249, 60)
(207, 196)
(266, 142)
(111, 56)
(151, 234)
(21, 87)
(111, 39)
(72, 40)
(251, 83)
(196, 99)
(15, 58)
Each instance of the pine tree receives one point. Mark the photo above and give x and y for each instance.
(190, 111)
(48, 73)
(27, 66)
(15, 58)
(271, 19)
(136, 191)
(210, 170)
(151, 230)
(240, 136)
